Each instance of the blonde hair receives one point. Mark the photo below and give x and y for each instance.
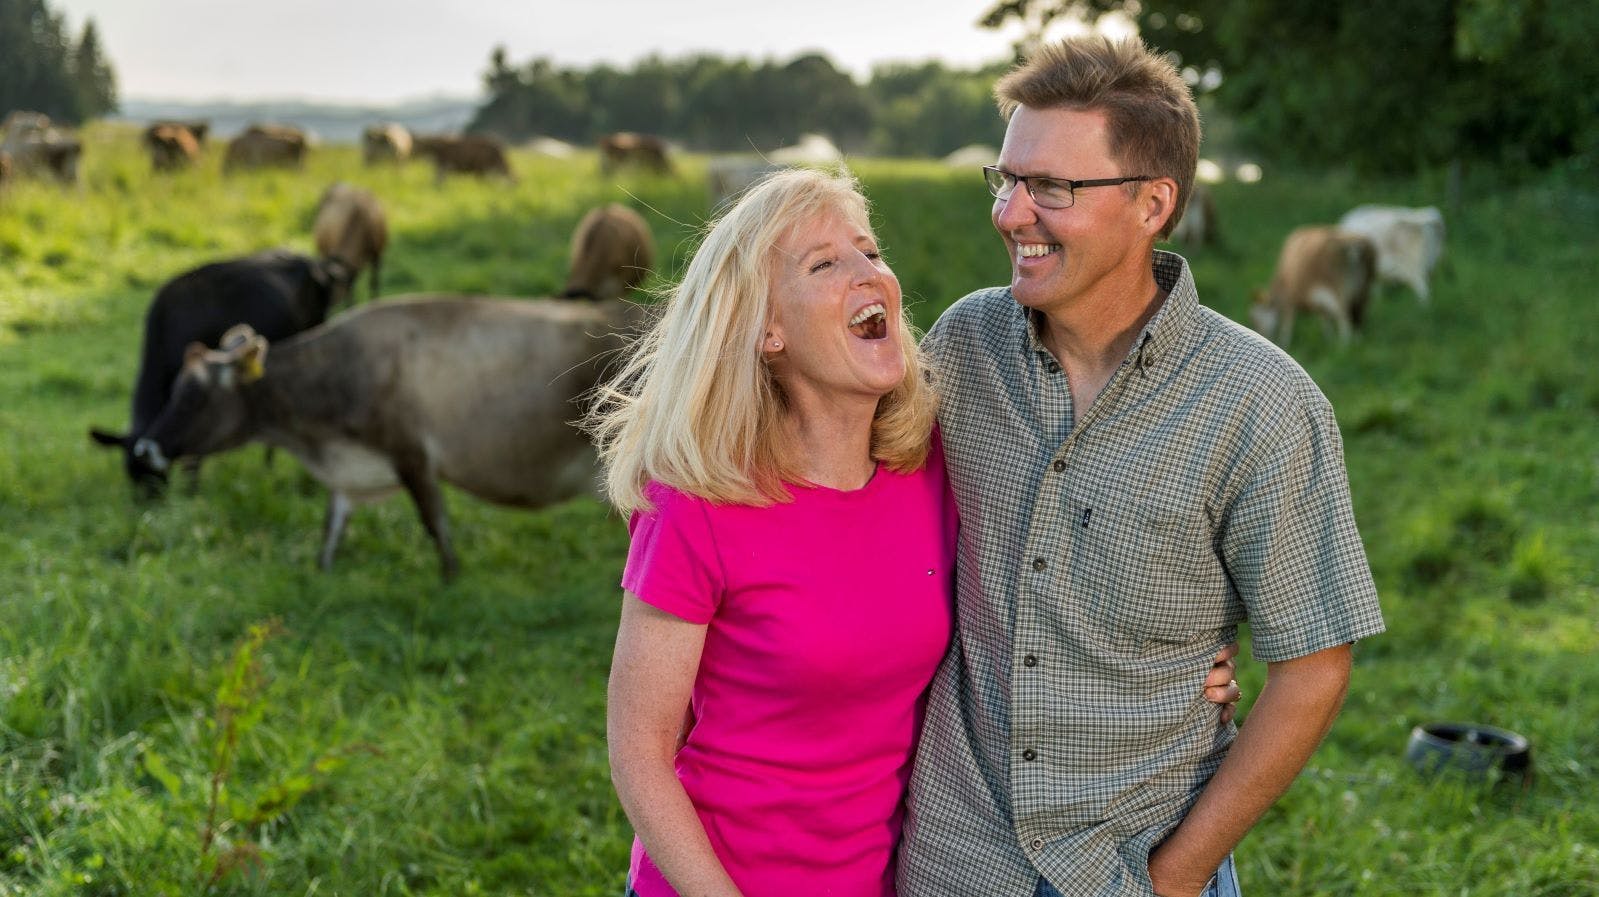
(695, 406)
(1149, 111)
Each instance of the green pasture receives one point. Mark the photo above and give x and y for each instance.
(187, 706)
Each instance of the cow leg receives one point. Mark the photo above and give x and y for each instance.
(191, 467)
(377, 273)
(1285, 324)
(1326, 302)
(339, 506)
(424, 489)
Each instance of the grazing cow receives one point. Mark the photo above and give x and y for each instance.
(729, 176)
(627, 148)
(403, 394)
(198, 127)
(1320, 269)
(264, 146)
(1409, 242)
(810, 149)
(37, 148)
(1198, 226)
(278, 293)
(385, 144)
(612, 252)
(351, 228)
(475, 154)
(172, 146)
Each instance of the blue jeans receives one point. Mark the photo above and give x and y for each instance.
(1223, 884)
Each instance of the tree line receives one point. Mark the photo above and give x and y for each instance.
(1382, 86)
(42, 69)
(735, 105)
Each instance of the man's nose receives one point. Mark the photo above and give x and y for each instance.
(1015, 210)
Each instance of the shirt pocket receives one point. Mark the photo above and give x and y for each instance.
(1147, 570)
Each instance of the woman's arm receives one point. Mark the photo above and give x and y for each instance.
(657, 657)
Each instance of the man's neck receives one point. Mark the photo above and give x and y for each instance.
(1091, 340)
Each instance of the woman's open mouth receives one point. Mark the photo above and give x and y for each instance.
(870, 322)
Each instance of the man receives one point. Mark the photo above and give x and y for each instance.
(1135, 474)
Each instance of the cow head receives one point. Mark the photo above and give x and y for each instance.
(148, 482)
(207, 412)
(334, 279)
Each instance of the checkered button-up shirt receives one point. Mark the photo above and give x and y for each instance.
(1104, 558)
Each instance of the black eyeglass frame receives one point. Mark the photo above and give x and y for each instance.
(1001, 192)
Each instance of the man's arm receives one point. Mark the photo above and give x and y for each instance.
(1296, 708)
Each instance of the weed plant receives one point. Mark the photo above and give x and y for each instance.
(446, 740)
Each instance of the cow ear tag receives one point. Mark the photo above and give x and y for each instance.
(251, 369)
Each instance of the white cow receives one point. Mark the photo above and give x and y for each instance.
(1409, 242)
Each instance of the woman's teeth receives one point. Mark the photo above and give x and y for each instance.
(870, 322)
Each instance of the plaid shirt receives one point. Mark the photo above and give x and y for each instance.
(1100, 568)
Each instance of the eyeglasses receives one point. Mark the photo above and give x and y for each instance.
(1047, 192)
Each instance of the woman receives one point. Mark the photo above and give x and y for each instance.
(787, 594)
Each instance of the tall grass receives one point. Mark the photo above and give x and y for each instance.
(467, 720)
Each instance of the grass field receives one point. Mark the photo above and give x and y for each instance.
(188, 706)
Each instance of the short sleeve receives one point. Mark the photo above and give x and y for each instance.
(1291, 547)
(672, 563)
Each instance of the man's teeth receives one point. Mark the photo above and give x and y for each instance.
(861, 316)
(1034, 250)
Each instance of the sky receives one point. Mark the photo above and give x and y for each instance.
(382, 51)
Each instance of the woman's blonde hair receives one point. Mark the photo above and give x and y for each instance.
(695, 406)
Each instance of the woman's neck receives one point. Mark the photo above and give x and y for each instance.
(832, 445)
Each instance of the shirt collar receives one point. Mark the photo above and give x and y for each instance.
(1164, 330)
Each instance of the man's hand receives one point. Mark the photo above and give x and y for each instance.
(1220, 686)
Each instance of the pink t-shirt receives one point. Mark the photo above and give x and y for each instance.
(827, 617)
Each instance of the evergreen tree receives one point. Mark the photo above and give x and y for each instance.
(42, 70)
(96, 86)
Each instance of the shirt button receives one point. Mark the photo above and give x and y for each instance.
(1029, 755)
(1059, 466)
(1029, 661)
(1054, 367)
(1039, 563)
(1038, 843)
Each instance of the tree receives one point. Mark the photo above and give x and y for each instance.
(96, 85)
(1383, 85)
(41, 65)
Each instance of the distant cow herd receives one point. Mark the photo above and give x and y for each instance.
(394, 395)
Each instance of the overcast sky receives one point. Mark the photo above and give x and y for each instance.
(386, 50)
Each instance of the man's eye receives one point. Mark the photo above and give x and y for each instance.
(821, 265)
(1051, 188)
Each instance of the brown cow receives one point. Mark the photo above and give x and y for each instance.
(476, 154)
(262, 146)
(198, 127)
(351, 228)
(405, 394)
(627, 148)
(172, 146)
(1320, 269)
(388, 143)
(612, 252)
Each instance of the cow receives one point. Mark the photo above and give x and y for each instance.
(351, 228)
(35, 147)
(729, 176)
(612, 252)
(5, 167)
(1198, 225)
(172, 146)
(278, 293)
(266, 146)
(385, 144)
(1320, 269)
(404, 394)
(476, 154)
(626, 148)
(1409, 242)
(199, 128)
